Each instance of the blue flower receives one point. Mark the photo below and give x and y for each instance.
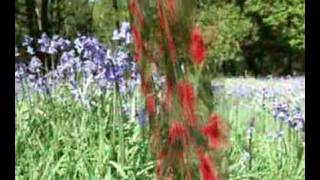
(141, 117)
(47, 45)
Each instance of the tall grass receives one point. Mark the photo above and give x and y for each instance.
(64, 140)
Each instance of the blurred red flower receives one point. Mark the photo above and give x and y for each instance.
(206, 168)
(151, 104)
(196, 46)
(211, 130)
(187, 100)
(177, 132)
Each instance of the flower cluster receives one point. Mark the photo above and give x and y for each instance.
(44, 44)
(171, 110)
(294, 118)
(84, 65)
(284, 98)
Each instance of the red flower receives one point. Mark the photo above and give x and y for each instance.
(185, 93)
(151, 104)
(196, 46)
(177, 132)
(206, 168)
(212, 131)
(186, 98)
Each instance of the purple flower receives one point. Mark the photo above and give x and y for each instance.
(89, 67)
(293, 117)
(75, 91)
(78, 44)
(26, 41)
(123, 87)
(19, 72)
(123, 33)
(102, 82)
(44, 43)
(141, 117)
(84, 65)
(41, 85)
(35, 65)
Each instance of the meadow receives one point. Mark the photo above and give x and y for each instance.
(85, 117)
(56, 140)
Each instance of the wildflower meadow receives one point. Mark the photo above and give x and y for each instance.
(146, 99)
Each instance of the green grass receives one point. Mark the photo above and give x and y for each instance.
(55, 140)
(272, 158)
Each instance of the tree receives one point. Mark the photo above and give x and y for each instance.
(225, 28)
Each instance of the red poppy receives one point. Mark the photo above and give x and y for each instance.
(196, 46)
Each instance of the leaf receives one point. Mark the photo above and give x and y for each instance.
(119, 169)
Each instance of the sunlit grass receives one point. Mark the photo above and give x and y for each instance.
(55, 140)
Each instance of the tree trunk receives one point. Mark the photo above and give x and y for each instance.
(31, 18)
(45, 18)
(59, 19)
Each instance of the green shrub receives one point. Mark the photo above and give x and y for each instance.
(225, 27)
(286, 18)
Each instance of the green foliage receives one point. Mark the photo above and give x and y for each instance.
(260, 36)
(76, 17)
(61, 139)
(224, 27)
(105, 17)
(254, 35)
(287, 18)
(53, 17)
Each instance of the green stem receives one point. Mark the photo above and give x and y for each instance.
(121, 134)
(52, 62)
